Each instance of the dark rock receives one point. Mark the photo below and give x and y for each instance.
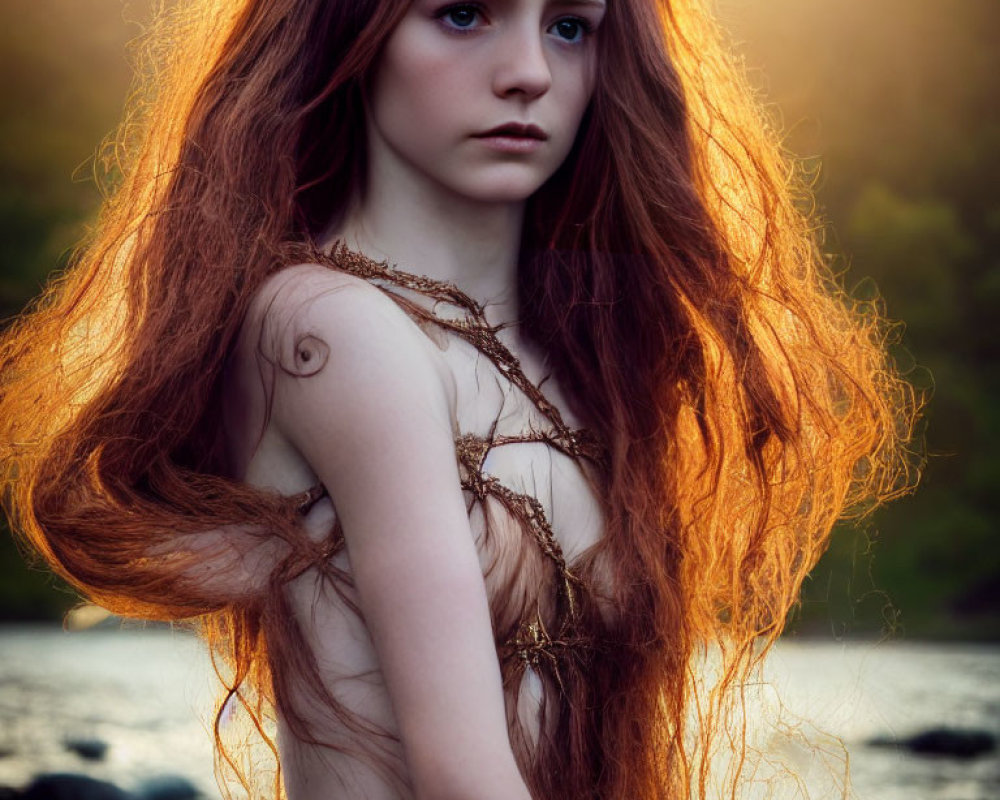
(948, 742)
(8, 793)
(952, 742)
(61, 786)
(168, 787)
(90, 749)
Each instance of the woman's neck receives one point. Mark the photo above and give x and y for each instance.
(424, 229)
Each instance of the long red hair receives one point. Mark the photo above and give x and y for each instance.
(745, 402)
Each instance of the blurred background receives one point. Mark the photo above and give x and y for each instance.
(892, 108)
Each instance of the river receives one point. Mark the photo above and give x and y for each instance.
(148, 694)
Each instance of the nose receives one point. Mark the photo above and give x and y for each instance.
(522, 66)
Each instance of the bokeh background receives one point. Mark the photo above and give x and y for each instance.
(892, 108)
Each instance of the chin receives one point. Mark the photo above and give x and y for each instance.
(505, 197)
(505, 189)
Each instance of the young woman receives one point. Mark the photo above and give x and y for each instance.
(461, 369)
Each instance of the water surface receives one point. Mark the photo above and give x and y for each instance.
(149, 694)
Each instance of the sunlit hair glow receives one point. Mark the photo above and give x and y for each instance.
(745, 403)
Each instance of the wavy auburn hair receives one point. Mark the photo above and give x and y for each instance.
(746, 404)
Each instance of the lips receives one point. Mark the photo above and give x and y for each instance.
(515, 130)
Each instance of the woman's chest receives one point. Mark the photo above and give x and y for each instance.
(518, 446)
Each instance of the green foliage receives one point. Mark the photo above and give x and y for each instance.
(28, 592)
(899, 99)
(919, 248)
(70, 77)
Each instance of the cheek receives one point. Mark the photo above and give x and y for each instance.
(589, 79)
(416, 85)
(577, 84)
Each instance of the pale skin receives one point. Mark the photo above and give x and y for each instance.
(447, 203)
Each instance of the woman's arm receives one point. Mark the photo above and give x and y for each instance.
(375, 425)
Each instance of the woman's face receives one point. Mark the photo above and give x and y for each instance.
(452, 75)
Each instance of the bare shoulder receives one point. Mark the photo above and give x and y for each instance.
(338, 339)
(304, 306)
(313, 332)
(307, 313)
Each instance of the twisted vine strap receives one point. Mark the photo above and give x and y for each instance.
(534, 643)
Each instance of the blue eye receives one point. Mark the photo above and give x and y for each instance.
(571, 29)
(460, 16)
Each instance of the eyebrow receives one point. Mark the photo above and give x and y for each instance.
(591, 3)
